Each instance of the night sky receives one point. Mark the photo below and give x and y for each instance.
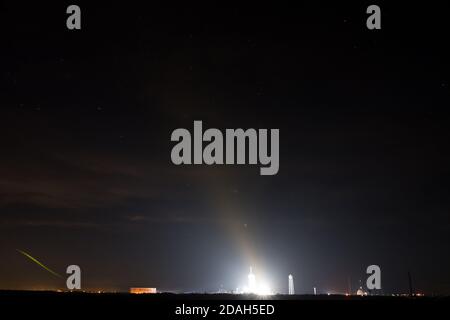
(86, 118)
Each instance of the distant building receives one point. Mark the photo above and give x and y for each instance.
(142, 290)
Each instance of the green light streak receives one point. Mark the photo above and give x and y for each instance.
(39, 263)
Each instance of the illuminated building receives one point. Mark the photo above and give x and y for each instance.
(142, 290)
(291, 284)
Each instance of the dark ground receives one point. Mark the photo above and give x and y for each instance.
(163, 306)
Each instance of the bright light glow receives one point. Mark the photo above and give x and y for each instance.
(264, 290)
(253, 287)
(261, 290)
(142, 290)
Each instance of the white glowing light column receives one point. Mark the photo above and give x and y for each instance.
(251, 281)
(291, 284)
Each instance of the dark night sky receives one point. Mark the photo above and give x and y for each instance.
(85, 124)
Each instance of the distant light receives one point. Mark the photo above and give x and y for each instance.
(142, 290)
(360, 292)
